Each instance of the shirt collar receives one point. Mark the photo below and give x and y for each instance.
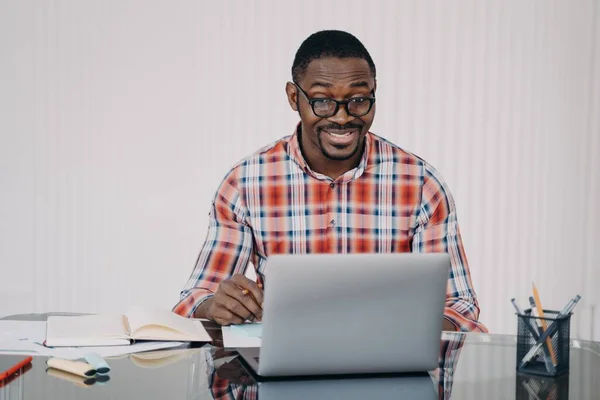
(293, 150)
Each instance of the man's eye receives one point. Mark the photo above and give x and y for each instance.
(359, 100)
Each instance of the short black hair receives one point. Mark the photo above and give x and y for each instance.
(329, 43)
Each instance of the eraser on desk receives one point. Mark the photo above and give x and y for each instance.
(79, 368)
(97, 363)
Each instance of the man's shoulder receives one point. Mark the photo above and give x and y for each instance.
(273, 152)
(384, 151)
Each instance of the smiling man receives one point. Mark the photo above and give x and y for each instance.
(330, 187)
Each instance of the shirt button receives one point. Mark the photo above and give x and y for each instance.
(332, 185)
(332, 222)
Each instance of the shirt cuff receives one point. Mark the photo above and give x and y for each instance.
(190, 301)
(463, 323)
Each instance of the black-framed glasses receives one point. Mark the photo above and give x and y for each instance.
(326, 107)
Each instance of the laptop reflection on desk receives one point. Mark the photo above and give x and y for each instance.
(350, 314)
(409, 388)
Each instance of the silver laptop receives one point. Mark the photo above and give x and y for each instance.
(339, 314)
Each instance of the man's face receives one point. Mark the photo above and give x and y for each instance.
(341, 136)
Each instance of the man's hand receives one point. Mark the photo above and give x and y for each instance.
(448, 326)
(236, 300)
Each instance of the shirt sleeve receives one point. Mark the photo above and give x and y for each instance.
(437, 231)
(226, 250)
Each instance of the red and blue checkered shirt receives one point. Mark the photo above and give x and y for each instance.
(272, 202)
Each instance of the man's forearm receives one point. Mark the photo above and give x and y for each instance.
(202, 310)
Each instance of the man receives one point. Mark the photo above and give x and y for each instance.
(331, 187)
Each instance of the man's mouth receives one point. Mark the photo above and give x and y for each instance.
(342, 133)
(341, 137)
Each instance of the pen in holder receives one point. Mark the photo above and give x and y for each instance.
(539, 351)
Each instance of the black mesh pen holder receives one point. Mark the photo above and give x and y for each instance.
(548, 357)
(542, 387)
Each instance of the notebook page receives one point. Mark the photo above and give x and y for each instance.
(71, 330)
(155, 319)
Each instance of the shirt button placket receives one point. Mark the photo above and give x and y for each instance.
(331, 205)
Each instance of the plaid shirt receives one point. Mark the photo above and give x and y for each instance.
(272, 202)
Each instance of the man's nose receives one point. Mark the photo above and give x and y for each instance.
(341, 117)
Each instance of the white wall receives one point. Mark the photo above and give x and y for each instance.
(118, 119)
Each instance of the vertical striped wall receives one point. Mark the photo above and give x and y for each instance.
(118, 119)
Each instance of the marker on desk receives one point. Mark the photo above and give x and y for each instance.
(82, 381)
(102, 379)
(551, 330)
(98, 363)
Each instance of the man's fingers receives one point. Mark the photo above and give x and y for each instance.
(220, 321)
(237, 299)
(240, 302)
(223, 316)
(226, 310)
(250, 286)
(238, 308)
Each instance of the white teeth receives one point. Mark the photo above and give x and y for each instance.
(340, 135)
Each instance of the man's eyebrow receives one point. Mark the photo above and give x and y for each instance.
(320, 84)
(359, 84)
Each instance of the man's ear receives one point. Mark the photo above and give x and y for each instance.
(292, 95)
(375, 87)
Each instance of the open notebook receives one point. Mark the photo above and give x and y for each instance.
(139, 323)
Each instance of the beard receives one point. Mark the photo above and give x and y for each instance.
(342, 157)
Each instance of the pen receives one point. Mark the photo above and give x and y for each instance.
(570, 305)
(247, 292)
(534, 332)
(538, 327)
(534, 313)
(551, 330)
(515, 305)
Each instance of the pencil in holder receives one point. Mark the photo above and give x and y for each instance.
(543, 351)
